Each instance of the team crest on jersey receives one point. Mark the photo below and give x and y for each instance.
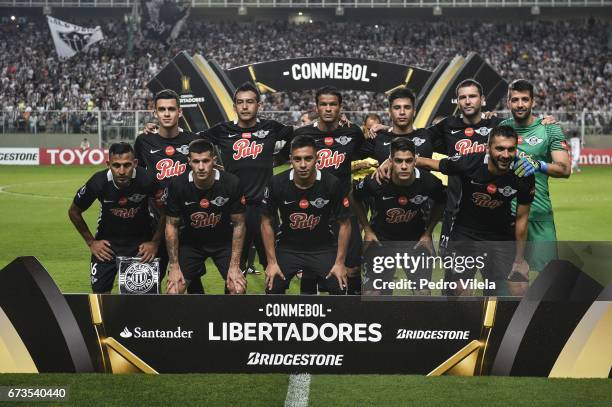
(204, 220)
(399, 215)
(483, 131)
(419, 199)
(533, 140)
(485, 201)
(344, 140)
(219, 201)
(319, 202)
(327, 159)
(244, 148)
(507, 191)
(303, 221)
(418, 141)
(261, 133)
(136, 198)
(184, 149)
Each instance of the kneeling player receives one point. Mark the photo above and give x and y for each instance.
(210, 205)
(307, 200)
(400, 213)
(488, 187)
(124, 225)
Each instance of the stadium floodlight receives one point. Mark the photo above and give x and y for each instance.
(437, 11)
(12, 18)
(535, 10)
(339, 11)
(242, 11)
(300, 13)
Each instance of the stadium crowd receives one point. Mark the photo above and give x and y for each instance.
(569, 61)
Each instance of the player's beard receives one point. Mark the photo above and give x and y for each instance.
(501, 164)
(521, 114)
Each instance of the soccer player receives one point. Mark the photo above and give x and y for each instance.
(247, 151)
(402, 112)
(124, 226)
(308, 201)
(400, 211)
(576, 145)
(545, 151)
(164, 154)
(488, 185)
(336, 147)
(210, 206)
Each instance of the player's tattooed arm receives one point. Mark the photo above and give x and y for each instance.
(267, 236)
(99, 248)
(561, 166)
(176, 281)
(339, 269)
(236, 282)
(520, 268)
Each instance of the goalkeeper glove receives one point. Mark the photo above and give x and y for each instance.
(526, 166)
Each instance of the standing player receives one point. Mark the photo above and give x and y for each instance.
(124, 227)
(576, 145)
(164, 155)
(308, 201)
(336, 147)
(402, 112)
(545, 152)
(400, 212)
(210, 206)
(247, 151)
(488, 187)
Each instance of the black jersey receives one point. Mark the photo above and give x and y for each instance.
(124, 217)
(452, 136)
(379, 148)
(206, 214)
(485, 201)
(399, 211)
(306, 214)
(164, 157)
(335, 149)
(248, 152)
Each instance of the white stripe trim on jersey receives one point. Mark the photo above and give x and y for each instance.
(417, 173)
(236, 121)
(292, 172)
(217, 175)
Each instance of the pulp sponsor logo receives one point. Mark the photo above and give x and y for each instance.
(399, 215)
(328, 159)
(139, 332)
(72, 156)
(465, 146)
(167, 168)
(330, 70)
(303, 221)
(125, 213)
(243, 149)
(294, 359)
(204, 220)
(19, 156)
(485, 200)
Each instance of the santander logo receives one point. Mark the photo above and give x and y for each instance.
(327, 159)
(244, 148)
(167, 168)
(465, 146)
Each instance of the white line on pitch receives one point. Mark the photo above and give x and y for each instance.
(298, 391)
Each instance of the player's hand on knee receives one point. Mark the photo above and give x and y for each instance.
(273, 271)
(150, 128)
(101, 249)
(236, 281)
(520, 271)
(426, 242)
(340, 273)
(383, 172)
(147, 251)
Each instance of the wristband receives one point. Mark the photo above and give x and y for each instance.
(544, 167)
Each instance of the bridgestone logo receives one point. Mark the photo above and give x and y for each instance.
(294, 359)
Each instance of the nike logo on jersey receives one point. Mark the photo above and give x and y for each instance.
(386, 144)
(289, 202)
(475, 183)
(455, 131)
(107, 201)
(154, 151)
(189, 203)
(385, 198)
(232, 135)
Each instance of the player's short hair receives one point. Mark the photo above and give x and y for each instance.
(200, 146)
(166, 94)
(120, 148)
(303, 141)
(328, 90)
(371, 116)
(521, 85)
(401, 93)
(248, 87)
(469, 82)
(402, 144)
(502, 131)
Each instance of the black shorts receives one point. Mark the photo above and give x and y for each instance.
(353, 252)
(253, 235)
(103, 273)
(312, 264)
(376, 272)
(192, 258)
(495, 253)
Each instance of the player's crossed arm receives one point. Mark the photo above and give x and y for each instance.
(176, 280)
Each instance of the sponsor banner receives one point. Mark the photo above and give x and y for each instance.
(73, 156)
(595, 156)
(19, 156)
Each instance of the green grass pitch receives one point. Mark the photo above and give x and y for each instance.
(34, 202)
